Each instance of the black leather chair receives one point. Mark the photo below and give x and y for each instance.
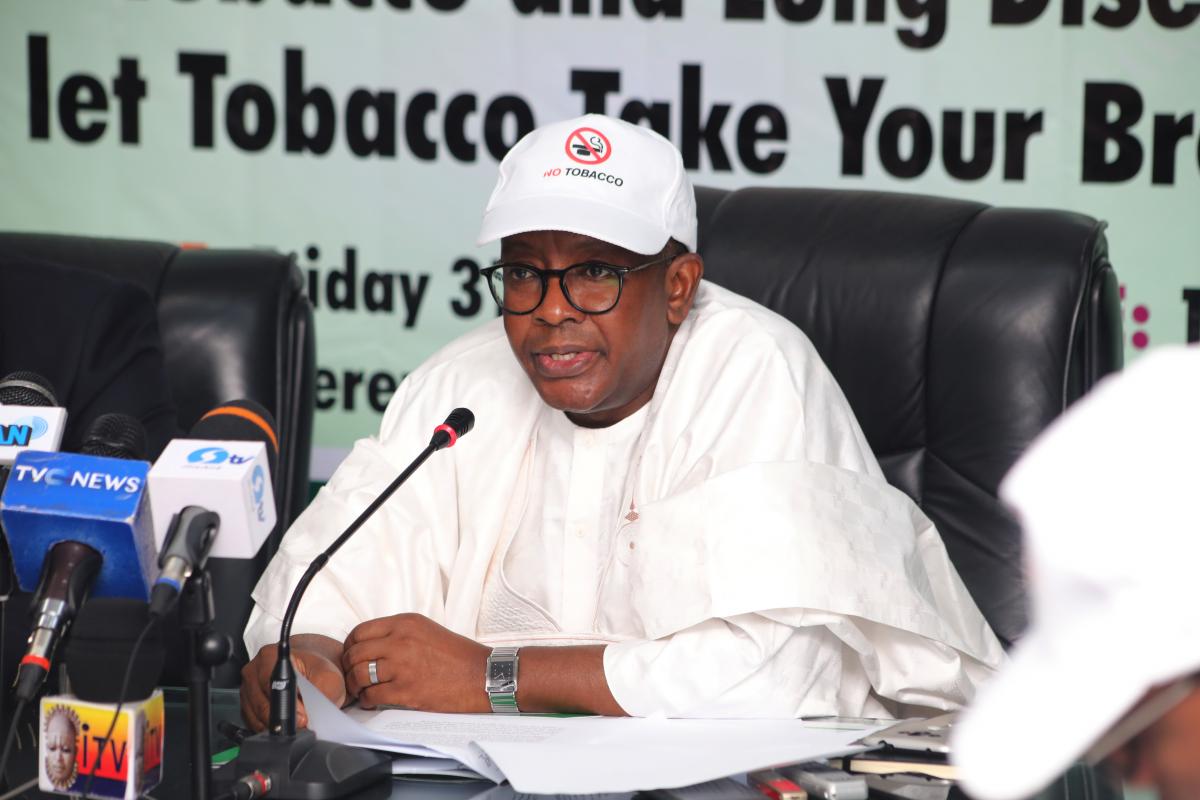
(234, 324)
(958, 331)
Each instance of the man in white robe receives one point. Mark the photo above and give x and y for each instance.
(666, 502)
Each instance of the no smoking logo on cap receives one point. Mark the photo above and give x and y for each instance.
(588, 146)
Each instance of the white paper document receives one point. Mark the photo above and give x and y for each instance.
(586, 755)
(425, 765)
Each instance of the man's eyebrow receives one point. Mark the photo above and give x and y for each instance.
(590, 249)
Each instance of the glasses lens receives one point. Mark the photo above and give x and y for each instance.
(593, 287)
(517, 288)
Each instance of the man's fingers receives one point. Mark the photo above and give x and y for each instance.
(358, 677)
(251, 715)
(301, 666)
(255, 706)
(256, 712)
(380, 694)
(361, 653)
(253, 694)
(357, 658)
(371, 629)
(332, 685)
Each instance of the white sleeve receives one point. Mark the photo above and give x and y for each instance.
(396, 562)
(393, 564)
(818, 664)
(743, 666)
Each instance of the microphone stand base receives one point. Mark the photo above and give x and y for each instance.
(302, 767)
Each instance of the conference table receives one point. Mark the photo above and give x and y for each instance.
(1080, 783)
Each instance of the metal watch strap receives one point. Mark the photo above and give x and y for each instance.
(502, 694)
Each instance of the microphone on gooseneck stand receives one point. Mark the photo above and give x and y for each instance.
(295, 765)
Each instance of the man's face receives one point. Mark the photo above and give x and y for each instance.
(60, 750)
(598, 368)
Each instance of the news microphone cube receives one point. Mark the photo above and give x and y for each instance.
(231, 478)
(57, 497)
(29, 428)
(71, 745)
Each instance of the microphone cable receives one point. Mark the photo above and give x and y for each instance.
(11, 736)
(21, 388)
(248, 787)
(112, 725)
(20, 790)
(3, 681)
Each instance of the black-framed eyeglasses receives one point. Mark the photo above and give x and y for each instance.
(592, 287)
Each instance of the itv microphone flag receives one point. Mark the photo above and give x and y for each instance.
(72, 746)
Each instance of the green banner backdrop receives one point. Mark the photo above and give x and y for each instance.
(363, 134)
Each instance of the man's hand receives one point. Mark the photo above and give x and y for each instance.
(1167, 754)
(419, 665)
(314, 657)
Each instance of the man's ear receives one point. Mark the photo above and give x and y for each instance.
(682, 279)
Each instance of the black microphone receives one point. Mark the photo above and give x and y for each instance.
(70, 567)
(26, 391)
(283, 679)
(241, 420)
(186, 548)
(115, 436)
(459, 423)
(101, 644)
(67, 575)
(218, 477)
(276, 753)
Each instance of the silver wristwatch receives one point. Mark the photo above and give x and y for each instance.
(501, 682)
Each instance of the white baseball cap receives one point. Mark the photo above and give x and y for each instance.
(1107, 501)
(597, 176)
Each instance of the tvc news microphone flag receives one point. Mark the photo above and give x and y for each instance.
(96, 500)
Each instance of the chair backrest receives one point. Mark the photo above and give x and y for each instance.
(958, 331)
(234, 324)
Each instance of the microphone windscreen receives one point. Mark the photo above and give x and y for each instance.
(241, 420)
(26, 389)
(115, 436)
(461, 420)
(99, 646)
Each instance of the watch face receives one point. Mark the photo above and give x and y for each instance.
(501, 671)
